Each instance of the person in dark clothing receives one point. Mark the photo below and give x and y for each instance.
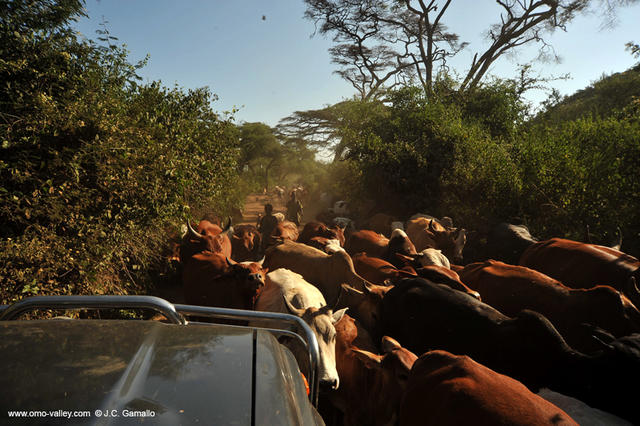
(294, 209)
(267, 225)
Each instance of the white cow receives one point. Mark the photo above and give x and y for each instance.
(431, 256)
(287, 292)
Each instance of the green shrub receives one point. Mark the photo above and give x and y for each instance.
(97, 172)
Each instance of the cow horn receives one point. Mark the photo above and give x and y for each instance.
(296, 311)
(618, 245)
(261, 261)
(193, 231)
(602, 343)
(431, 225)
(230, 262)
(226, 228)
(340, 292)
(587, 234)
(632, 287)
(389, 344)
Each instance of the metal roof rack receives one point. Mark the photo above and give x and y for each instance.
(175, 314)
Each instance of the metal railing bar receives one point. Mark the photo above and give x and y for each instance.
(93, 302)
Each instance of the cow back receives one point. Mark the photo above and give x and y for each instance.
(365, 241)
(580, 265)
(445, 389)
(376, 270)
(424, 315)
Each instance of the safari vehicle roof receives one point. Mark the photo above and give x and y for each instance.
(204, 374)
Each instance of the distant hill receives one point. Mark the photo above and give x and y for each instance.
(600, 99)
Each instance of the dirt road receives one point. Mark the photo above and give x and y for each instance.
(254, 205)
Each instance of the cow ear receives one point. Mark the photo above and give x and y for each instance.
(337, 315)
(369, 359)
(389, 344)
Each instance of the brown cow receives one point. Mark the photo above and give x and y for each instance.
(581, 265)
(319, 229)
(210, 279)
(208, 237)
(371, 386)
(425, 233)
(245, 243)
(285, 230)
(369, 242)
(377, 245)
(364, 305)
(327, 272)
(325, 244)
(445, 389)
(377, 270)
(510, 289)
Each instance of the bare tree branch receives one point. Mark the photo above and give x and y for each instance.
(382, 42)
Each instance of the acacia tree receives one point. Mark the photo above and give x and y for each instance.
(388, 42)
(260, 150)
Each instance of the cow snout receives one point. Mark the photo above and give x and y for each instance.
(328, 385)
(256, 277)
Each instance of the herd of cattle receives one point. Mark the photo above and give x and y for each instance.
(410, 336)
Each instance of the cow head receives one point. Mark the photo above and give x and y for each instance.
(399, 243)
(208, 237)
(246, 241)
(250, 279)
(391, 377)
(426, 257)
(335, 232)
(365, 305)
(451, 242)
(611, 309)
(321, 321)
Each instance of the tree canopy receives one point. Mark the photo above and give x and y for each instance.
(387, 43)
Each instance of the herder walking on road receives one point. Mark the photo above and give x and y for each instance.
(267, 225)
(294, 209)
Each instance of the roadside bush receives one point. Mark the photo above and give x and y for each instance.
(584, 172)
(96, 170)
(475, 160)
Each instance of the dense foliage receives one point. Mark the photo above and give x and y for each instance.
(96, 170)
(478, 159)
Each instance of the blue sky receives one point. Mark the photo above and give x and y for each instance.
(269, 68)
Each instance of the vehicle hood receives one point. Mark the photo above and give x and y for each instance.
(195, 374)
